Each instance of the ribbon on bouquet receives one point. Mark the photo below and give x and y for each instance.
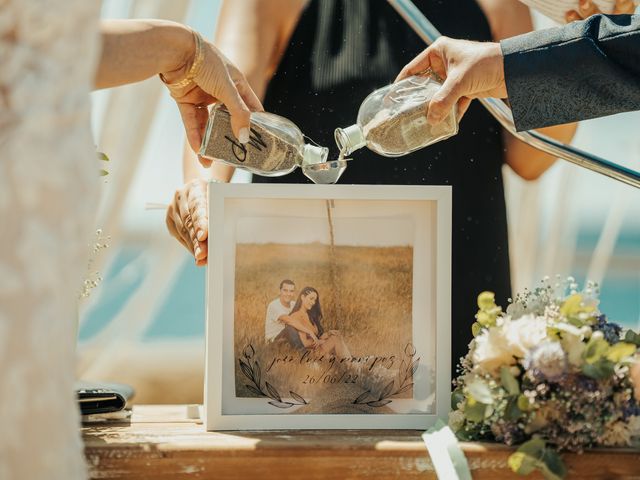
(446, 455)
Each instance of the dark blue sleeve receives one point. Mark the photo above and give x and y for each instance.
(580, 71)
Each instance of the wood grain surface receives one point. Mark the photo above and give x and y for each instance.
(160, 442)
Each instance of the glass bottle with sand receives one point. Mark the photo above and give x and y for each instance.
(276, 145)
(392, 121)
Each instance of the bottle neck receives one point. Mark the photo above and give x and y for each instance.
(350, 139)
(312, 154)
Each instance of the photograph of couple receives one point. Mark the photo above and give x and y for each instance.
(297, 320)
(323, 310)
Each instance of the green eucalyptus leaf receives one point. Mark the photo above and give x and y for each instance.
(509, 382)
(474, 411)
(552, 466)
(534, 447)
(465, 435)
(512, 411)
(103, 173)
(599, 370)
(102, 156)
(632, 337)
(456, 397)
(527, 458)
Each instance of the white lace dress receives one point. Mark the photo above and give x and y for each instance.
(48, 181)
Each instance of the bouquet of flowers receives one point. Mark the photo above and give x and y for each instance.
(551, 373)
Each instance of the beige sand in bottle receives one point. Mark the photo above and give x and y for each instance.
(265, 152)
(405, 130)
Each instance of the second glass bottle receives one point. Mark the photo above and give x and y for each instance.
(392, 121)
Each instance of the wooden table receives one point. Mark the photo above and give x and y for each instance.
(160, 442)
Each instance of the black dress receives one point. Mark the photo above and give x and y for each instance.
(342, 50)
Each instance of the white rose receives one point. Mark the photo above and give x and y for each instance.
(491, 350)
(525, 333)
(501, 345)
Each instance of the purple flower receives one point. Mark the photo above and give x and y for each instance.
(610, 330)
(631, 409)
(587, 384)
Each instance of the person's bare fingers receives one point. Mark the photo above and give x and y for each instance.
(586, 8)
(201, 263)
(171, 226)
(624, 7)
(431, 59)
(192, 124)
(205, 162)
(190, 237)
(200, 249)
(197, 204)
(197, 251)
(246, 92)
(187, 221)
(201, 119)
(195, 245)
(572, 16)
(463, 106)
(437, 60)
(240, 113)
(240, 119)
(418, 64)
(201, 257)
(444, 100)
(182, 231)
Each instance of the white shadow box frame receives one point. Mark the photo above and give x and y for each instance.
(245, 392)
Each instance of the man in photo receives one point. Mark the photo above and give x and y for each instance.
(278, 317)
(279, 308)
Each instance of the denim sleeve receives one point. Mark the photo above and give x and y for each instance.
(580, 71)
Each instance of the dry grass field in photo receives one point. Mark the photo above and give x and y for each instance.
(365, 293)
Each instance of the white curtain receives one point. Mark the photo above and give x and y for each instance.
(48, 194)
(130, 116)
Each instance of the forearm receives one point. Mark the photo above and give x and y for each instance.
(251, 43)
(530, 163)
(581, 71)
(192, 169)
(134, 50)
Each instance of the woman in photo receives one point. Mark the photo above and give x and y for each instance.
(306, 314)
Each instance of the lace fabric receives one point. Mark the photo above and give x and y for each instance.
(48, 185)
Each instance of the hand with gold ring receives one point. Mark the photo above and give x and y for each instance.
(209, 77)
(187, 219)
(195, 71)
